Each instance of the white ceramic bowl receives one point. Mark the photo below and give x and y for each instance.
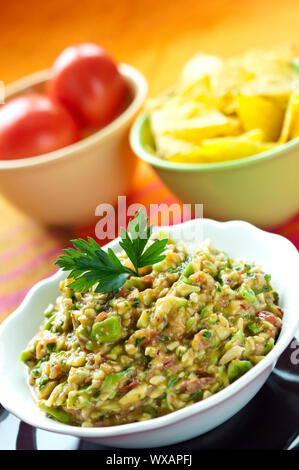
(240, 239)
(65, 186)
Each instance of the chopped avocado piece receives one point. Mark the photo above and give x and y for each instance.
(237, 338)
(111, 383)
(25, 356)
(255, 359)
(254, 327)
(78, 399)
(160, 267)
(116, 350)
(106, 331)
(218, 286)
(248, 294)
(49, 311)
(188, 270)
(268, 346)
(143, 320)
(206, 311)
(210, 267)
(237, 368)
(49, 323)
(274, 309)
(57, 413)
(214, 356)
(44, 379)
(171, 303)
(190, 323)
(135, 282)
(179, 302)
(165, 265)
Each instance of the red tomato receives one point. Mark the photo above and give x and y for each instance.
(270, 317)
(128, 387)
(87, 82)
(32, 125)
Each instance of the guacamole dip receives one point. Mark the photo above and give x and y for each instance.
(185, 329)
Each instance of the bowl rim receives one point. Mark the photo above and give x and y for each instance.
(139, 86)
(141, 151)
(179, 415)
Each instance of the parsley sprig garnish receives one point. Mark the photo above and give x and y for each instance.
(89, 264)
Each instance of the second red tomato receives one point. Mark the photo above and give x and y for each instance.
(87, 82)
(34, 124)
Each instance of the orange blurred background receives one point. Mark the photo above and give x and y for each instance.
(156, 36)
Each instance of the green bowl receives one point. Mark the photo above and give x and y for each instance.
(262, 189)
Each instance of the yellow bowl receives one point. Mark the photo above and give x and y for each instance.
(65, 186)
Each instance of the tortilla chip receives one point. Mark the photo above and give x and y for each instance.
(229, 108)
(290, 128)
(211, 123)
(256, 112)
(200, 67)
(172, 112)
(230, 148)
(226, 148)
(168, 146)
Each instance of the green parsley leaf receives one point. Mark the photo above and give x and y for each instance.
(207, 334)
(134, 242)
(164, 337)
(89, 264)
(171, 382)
(139, 340)
(135, 302)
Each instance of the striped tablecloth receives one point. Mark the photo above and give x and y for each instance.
(28, 251)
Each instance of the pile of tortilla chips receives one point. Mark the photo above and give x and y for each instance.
(224, 109)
